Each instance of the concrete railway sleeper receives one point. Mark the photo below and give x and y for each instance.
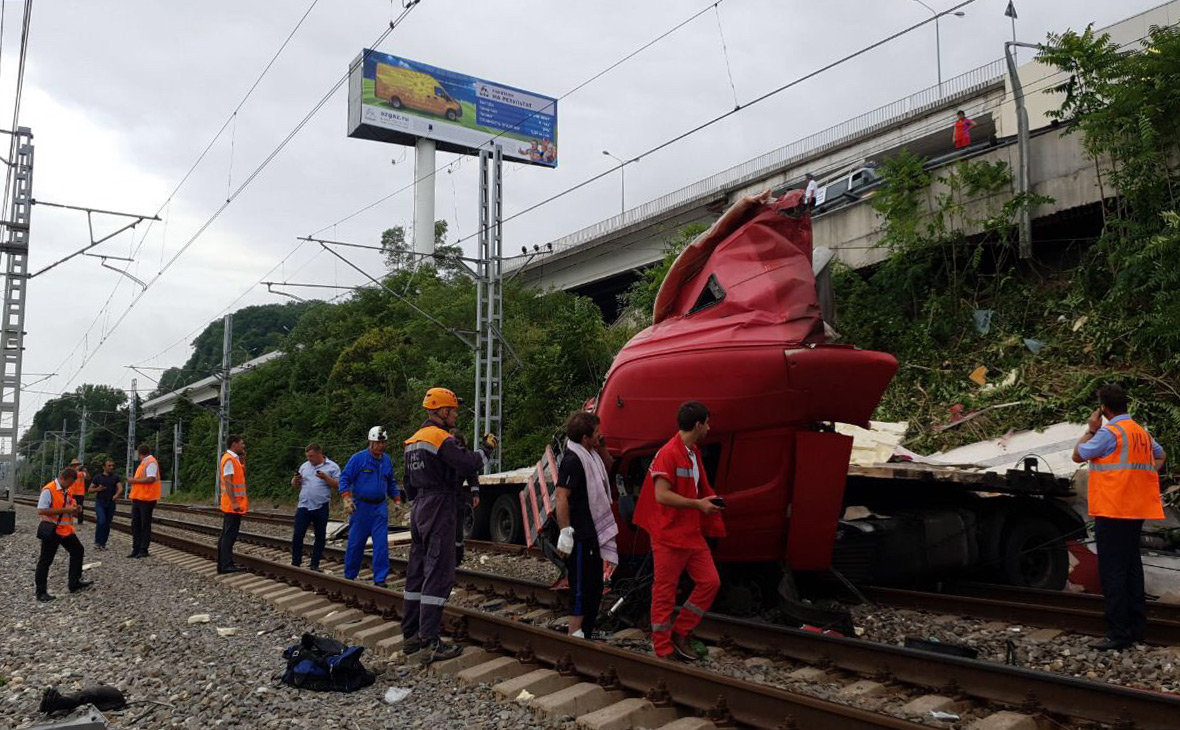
(1031, 690)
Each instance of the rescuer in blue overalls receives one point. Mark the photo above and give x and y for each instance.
(366, 482)
(435, 462)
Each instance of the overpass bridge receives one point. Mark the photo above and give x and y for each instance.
(602, 260)
(204, 390)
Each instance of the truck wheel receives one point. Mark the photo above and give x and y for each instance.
(467, 519)
(505, 521)
(395, 102)
(451, 115)
(480, 519)
(1034, 555)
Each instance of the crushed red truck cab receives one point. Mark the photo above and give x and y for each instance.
(737, 326)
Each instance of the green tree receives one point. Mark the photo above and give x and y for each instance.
(257, 330)
(399, 254)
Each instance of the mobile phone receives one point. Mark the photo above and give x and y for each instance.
(718, 501)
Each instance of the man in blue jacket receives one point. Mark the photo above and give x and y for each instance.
(366, 482)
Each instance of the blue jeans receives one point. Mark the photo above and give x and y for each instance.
(104, 512)
(318, 519)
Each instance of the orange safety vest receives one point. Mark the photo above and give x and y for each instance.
(149, 492)
(1125, 483)
(65, 522)
(78, 488)
(237, 484)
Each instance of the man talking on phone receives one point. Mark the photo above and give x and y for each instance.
(679, 509)
(315, 480)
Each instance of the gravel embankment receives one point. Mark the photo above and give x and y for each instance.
(131, 631)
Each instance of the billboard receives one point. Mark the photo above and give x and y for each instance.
(394, 99)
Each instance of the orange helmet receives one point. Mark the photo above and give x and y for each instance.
(440, 398)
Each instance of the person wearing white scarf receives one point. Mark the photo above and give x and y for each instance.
(584, 514)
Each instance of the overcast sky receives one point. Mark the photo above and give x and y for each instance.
(123, 95)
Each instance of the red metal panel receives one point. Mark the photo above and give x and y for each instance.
(533, 500)
(821, 466)
(524, 511)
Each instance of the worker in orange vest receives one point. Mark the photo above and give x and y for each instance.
(233, 502)
(58, 510)
(78, 488)
(1123, 490)
(145, 492)
(679, 509)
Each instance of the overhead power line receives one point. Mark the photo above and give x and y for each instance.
(720, 117)
(241, 188)
(114, 289)
(586, 82)
(578, 87)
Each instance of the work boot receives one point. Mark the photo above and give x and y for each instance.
(1109, 644)
(684, 649)
(44, 597)
(133, 555)
(230, 569)
(81, 586)
(381, 584)
(411, 645)
(439, 651)
(315, 569)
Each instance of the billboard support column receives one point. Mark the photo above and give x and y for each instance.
(424, 196)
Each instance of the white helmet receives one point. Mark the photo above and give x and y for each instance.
(376, 433)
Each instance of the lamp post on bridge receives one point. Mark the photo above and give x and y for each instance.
(938, 39)
(622, 182)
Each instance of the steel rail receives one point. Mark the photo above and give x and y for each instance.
(1032, 690)
(533, 593)
(1084, 616)
(1058, 599)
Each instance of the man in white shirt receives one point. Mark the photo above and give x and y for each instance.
(316, 479)
(810, 192)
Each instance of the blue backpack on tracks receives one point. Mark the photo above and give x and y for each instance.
(322, 664)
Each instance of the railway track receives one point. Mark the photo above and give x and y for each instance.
(1077, 612)
(1055, 695)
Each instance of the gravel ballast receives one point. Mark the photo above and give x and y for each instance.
(131, 631)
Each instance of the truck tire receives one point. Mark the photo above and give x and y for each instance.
(481, 518)
(467, 519)
(451, 115)
(505, 522)
(395, 102)
(1034, 555)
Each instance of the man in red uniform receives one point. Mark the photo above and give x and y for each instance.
(679, 509)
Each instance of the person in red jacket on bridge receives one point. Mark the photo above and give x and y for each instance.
(679, 509)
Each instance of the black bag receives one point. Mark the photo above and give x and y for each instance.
(46, 530)
(323, 664)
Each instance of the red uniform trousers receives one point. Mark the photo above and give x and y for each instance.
(670, 562)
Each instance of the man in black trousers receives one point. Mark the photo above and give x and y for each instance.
(1123, 489)
(58, 510)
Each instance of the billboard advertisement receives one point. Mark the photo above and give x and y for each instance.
(394, 99)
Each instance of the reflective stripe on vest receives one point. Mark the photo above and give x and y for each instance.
(1124, 484)
(422, 446)
(64, 523)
